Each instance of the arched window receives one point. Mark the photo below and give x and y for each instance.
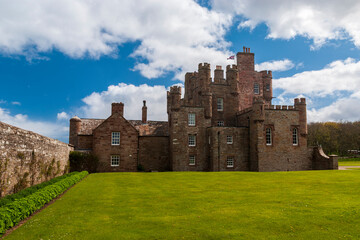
(295, 136)
(256, 88)
(268, 136)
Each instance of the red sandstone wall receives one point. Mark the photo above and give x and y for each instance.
(179, 131)
(220, 149)
(154, 153)
(282, 155)
(27, 158)
(85, 142)
(127, 150)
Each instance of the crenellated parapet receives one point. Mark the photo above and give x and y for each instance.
(174, 98)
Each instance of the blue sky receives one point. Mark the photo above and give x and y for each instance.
(64, 58)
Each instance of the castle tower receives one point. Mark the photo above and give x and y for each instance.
(174, 97)
(75, 127)
(204, 77)
(219, 75)
(301, 106)
(245, 60)
(267, 85)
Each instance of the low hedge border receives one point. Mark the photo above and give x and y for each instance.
(12, 213)
(30, 190)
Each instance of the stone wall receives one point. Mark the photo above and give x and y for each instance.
(154, 153)
(323, 162)
(127, 150)
(27, 158)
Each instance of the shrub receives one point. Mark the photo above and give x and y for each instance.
(83, 161)
(30, 190)
(12, 213)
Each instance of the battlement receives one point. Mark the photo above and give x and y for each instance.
(204, 65)
(231, 67)
(218, 67)
(266, 73)
(280, 107)
(175, 90)
(299, 101)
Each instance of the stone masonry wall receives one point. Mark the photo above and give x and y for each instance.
(220, 149)
(27, 158)
(154, 153)
(127, 150)
(282, 155)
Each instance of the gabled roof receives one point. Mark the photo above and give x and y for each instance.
(151, 128)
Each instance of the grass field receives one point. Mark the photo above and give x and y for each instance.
(199, 205)
(349, 162)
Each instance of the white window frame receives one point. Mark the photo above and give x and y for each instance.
(191, 119)
(192, 140)
(115, 138)
(220, 104)
(256, 88)
(115, 160)
(295, 137)
(229, 139)
(230, 162)
(220, 123)
(192, 160)
(268, 136)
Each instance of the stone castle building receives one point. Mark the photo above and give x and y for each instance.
(223, 124)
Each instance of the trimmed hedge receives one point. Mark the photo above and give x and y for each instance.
(12, 213)
(30, 190)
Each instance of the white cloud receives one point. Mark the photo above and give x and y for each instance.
(16, 103)
(58, 131)
(174, 35)
(63, 116)
(326, 87)
(341, 75)
(98, 105)
(343, 109)
(320, 20)
(275, 65)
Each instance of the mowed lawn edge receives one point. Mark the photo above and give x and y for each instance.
(203, 205)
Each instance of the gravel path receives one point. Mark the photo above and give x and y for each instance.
(347, 167)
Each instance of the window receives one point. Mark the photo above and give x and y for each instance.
(295, 136)
(115, 138)
(230, 162)
(229, 139)
(220, 123)
(267, 87)
(191, 119)
(268, 136)
(220, 104)
(256, 88)
(115, 160)
(192, 160)
(192, 140)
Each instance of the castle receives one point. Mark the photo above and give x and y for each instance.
(222, 124)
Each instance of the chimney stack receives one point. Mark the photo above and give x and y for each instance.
(117, 108)
(144, 113)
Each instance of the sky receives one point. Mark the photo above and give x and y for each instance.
(64, 58)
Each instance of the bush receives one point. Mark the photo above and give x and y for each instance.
(30, 190)
(12, 213)
(83, 161)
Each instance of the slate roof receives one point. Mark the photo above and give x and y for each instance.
(152, 128)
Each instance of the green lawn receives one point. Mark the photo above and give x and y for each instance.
(349, 162)
(200, 205)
